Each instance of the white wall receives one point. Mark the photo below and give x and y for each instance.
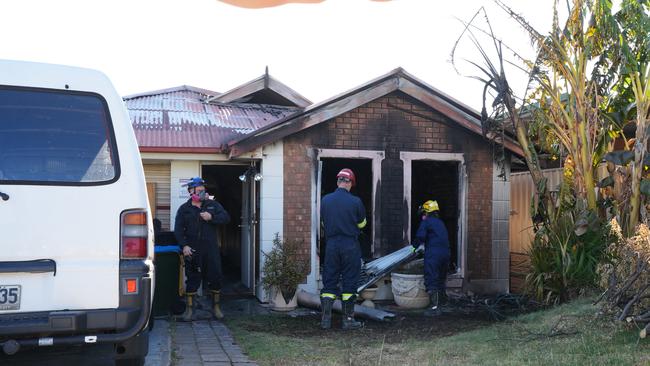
(180, 170)
(500, 222)
(271, 195)
(271, 201)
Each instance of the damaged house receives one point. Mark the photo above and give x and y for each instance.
(269, 155)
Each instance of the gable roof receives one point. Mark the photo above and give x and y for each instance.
(263, 90)
(179, 120)
(395, 80)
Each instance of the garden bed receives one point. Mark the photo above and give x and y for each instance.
(565, 335)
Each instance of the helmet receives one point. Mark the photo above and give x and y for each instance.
(349, 174)
(194, 182)
(430, 206)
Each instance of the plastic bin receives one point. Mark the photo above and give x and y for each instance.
(167, 264)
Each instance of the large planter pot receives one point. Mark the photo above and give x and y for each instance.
(409, 290)
(278, 303)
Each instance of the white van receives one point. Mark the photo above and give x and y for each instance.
(76, 239)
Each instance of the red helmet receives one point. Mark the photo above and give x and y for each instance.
(349, 174)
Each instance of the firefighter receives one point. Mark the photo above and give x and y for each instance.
(343, 216)
(196, 233)
(433, 234)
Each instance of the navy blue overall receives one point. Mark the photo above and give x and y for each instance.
(190, 229)
(343, 215)
(433, 233)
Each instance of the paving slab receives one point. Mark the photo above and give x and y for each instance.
(159, 345)
(204, 343)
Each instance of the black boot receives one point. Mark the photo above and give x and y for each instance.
(326, 312)
(444, 299)
(434, 307)
(348, 316)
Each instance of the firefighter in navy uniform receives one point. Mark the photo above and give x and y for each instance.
(433, 234)
(343, 216)
(196, 232)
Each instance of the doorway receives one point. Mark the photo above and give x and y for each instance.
(362, 169)
(439, 181)
(237, 243)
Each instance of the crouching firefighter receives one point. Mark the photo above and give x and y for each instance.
(343, 216)
(196, 232)
(433, 233)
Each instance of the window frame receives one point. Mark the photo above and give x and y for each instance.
(110, 135)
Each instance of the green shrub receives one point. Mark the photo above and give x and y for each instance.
(283, 268)
(565, 255)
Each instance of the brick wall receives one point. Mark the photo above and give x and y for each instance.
(392, 124)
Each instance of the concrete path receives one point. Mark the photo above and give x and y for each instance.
(160, 346)
(199, 343)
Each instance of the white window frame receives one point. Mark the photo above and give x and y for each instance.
(407, 159)
(376, 157)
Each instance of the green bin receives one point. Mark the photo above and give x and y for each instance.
(167, 264)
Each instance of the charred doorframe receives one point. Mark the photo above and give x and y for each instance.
(377, 157)
(407, 158)
(255, 235)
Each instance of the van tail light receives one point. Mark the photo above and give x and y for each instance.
(133, 236)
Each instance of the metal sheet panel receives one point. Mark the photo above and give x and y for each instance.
(521, 195)
(179, 118)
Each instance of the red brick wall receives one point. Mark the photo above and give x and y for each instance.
(297, 194)
(392, 124)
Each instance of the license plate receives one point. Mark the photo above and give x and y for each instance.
(9, 297)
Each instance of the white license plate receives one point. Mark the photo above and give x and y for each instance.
(9, 297)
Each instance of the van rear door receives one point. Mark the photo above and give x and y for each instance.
(59, 235)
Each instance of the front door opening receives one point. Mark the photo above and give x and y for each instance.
(362, 169)
(222, 181)
(437, 180)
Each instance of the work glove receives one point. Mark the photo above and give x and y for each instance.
(417, 248)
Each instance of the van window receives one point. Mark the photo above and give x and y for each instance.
(55, 137)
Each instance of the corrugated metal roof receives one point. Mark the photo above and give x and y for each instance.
(178, 118)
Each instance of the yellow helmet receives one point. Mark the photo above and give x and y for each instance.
(430, 206)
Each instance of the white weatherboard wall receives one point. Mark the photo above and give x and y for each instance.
(271, 201)
(159, 174)
(181, 170)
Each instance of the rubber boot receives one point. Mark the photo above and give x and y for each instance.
(348, 316)
(434, 307)
(444, 299)
(326, 312)
(189, 307)
(216, 306)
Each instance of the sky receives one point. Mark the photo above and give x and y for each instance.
(319, 50)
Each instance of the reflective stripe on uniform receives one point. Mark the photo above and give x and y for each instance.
(362, 224)
(327, 294)
(346, 297)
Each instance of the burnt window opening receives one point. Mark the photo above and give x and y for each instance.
(437, 180)
(362, 169)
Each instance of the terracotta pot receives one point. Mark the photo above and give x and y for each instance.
(367, 295)
(278, 303)
(409, 290)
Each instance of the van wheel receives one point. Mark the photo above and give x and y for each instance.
(139, 361)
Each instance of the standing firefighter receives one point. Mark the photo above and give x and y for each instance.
(433, 234)
(343, 216)
(196, 232)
